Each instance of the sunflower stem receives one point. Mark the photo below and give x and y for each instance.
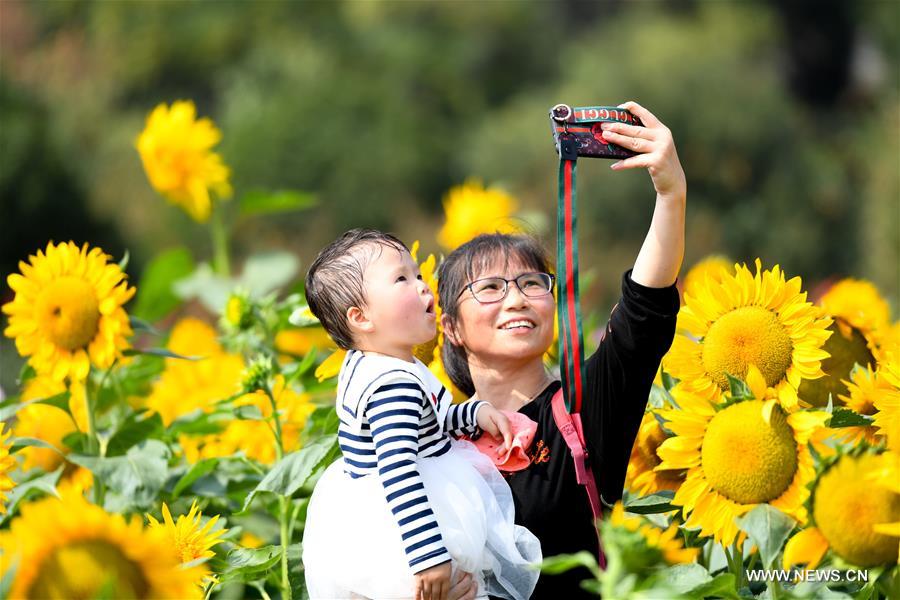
(284, 503)
(93, 442)
(735, 561)
(262, 590)
(219, 233)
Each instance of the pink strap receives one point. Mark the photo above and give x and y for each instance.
(572, 431)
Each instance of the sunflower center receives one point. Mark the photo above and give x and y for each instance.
(648, 444)
(69, 312)
(87, 570)
(847, 347)
(846, 506)
(749, 334)
(746, 459)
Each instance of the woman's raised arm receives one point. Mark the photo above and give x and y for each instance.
(660, 257)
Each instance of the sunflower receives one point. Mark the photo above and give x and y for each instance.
(861, 318)
(189, 539)
(70, 548)
(743, 320)
(886, 419)
(47, 422)
(471, 210)
(176, 149)
(851, 516)
(188, 385)
(858, 304)
(847, 347)
(238, 313)
(867, 388)
(665, 540)
(7, 464)
(715, 267)
(641, 477)
(738, 455)
(67, 312)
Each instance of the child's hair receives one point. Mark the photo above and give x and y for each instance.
(463, 265)
(334, 282)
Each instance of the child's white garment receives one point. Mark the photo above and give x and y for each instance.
(406, 497)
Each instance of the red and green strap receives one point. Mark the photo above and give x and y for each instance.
(568, 306)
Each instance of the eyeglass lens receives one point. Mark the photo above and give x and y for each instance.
(492, 289)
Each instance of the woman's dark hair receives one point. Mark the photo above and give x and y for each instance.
(461, 267)
(334, 282)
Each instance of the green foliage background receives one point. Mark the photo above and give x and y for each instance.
(786, 126)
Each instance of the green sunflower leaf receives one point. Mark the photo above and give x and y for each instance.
(60, 401)
(138, 476)
(738, 388)
(8, 576)
(197, 471)
(554, 565)
(22, 442)
(158, 352)
(668, 381)
(45, 483)
(250, 564)
(134, 430)
(844, 417)
(249, 412)
(768, 528)
(155, 298)
(660, 502)
(721, 586)
(259, 202)
(138, 324)
(290, 473)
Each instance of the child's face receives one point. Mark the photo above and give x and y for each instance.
(399, 304)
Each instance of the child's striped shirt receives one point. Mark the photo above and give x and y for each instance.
(392, 413)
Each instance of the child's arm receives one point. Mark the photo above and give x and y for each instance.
(659, 259)
(393, 413)
(460, 419)
(474, 416)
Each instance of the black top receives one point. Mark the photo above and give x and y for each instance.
(617, 379)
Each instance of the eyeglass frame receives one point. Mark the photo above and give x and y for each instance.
(506, 283)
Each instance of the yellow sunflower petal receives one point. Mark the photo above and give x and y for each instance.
(331, 366)
(808, 546)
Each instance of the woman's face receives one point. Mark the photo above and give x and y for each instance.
(517, 327)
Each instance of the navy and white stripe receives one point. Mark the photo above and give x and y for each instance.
(396, 426)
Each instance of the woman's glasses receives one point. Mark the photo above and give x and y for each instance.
(494, 289)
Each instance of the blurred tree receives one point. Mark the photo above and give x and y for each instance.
(820, 47)
(41, 196)
(379, 107)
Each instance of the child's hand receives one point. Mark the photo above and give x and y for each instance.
(433, 583)
(463, 587)
(496, 424)
(656, 151)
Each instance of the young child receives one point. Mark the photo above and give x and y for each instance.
(407, 500)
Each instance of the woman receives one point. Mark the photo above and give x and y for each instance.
(498, 325)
